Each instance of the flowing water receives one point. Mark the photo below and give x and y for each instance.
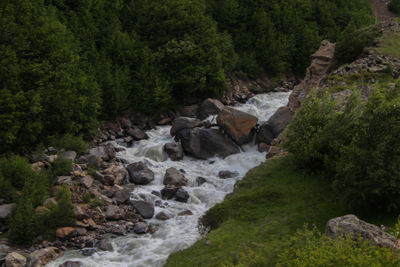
(179, 232)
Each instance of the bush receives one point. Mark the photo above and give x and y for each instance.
(352, 42)
(62, 214)
(394, 6)
(22, 223)
(69, 142)
(311, 248)
(61, 166)
(368, 171)
(16, 170)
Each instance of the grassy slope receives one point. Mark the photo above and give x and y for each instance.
(255, 223)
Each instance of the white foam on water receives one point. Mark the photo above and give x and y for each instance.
(179, 232)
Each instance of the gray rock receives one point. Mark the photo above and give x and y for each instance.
(140, 228)
(163, 215)
(145, 209)
(205, 143)
(71, 264)
(137, 134)
(174, 151)
(185, 213)
(274, 126)
(352, 226)
(174, 177)
(5, 210)
(43, 256)
(121, 195)
(87, 181)
(88, 251)
(139, 173)
(200, 180)
(70, 155)
(61, 180)
(181, 195)
(114, 213)
(227, 174)
(184, 123)
(168, 192)
(209, 107)
(105, 245)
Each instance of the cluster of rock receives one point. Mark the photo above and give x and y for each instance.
(371, 63)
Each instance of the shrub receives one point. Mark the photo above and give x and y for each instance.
(69, 142)
(311, 248)
(394, 6)
(16, 170)
(62, 214)
(61, 166)
(23, 223)
(352, 42)
(368, 172)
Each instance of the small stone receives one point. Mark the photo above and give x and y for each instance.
(185, 213)
(114, 212)
(163, 216)
(69, 155)
(88, 251)
(227, 174)
(145, 209)
(200, 180)
(105, 245)
(87, 181)
(181, 195)
(71, 264)
(140, 228)
(65, 232)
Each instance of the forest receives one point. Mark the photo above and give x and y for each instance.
(68, 64)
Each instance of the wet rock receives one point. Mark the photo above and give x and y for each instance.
(87, 181)
(237, 124)
(71, 264)
(88, 251)
(168, 192)
(184, 123)
(200, 180)
(206, 143)
(274, 126)
(163, 215)
(227, 174)
(156, 193)
(263, 147)
(137, 134)
(174, 177)
(114, 212)
(139, 173)
(145, 209)
(174, 151)
(69, 155)
(43, 256)
(185, 213)
(5, 210)
(352, 226)
(209, 107)
(140, 228)
(181, 195)
(105, 245)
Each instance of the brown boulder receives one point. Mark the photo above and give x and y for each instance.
(237, 124)
(65, 232)
(174, 177)
(15, 259)
(174, 151)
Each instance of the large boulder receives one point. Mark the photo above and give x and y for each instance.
(274, 126)
(205, 143)
(350, 225)
(184, 123)
(174, 151)
(15, 259)
(137, 134)
(145, 209)
(209, 107)
(174, 177)
(5, 210)
(139, 173)
(43, 256)
(237, 124)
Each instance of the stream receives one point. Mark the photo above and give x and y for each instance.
(179, 232)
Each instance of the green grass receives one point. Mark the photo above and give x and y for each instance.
(389, 44)
(254, 224)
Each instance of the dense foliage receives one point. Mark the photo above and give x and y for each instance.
(311, 248)
(30, 189)
(394, 6)
(65, 64)
(357, 149)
